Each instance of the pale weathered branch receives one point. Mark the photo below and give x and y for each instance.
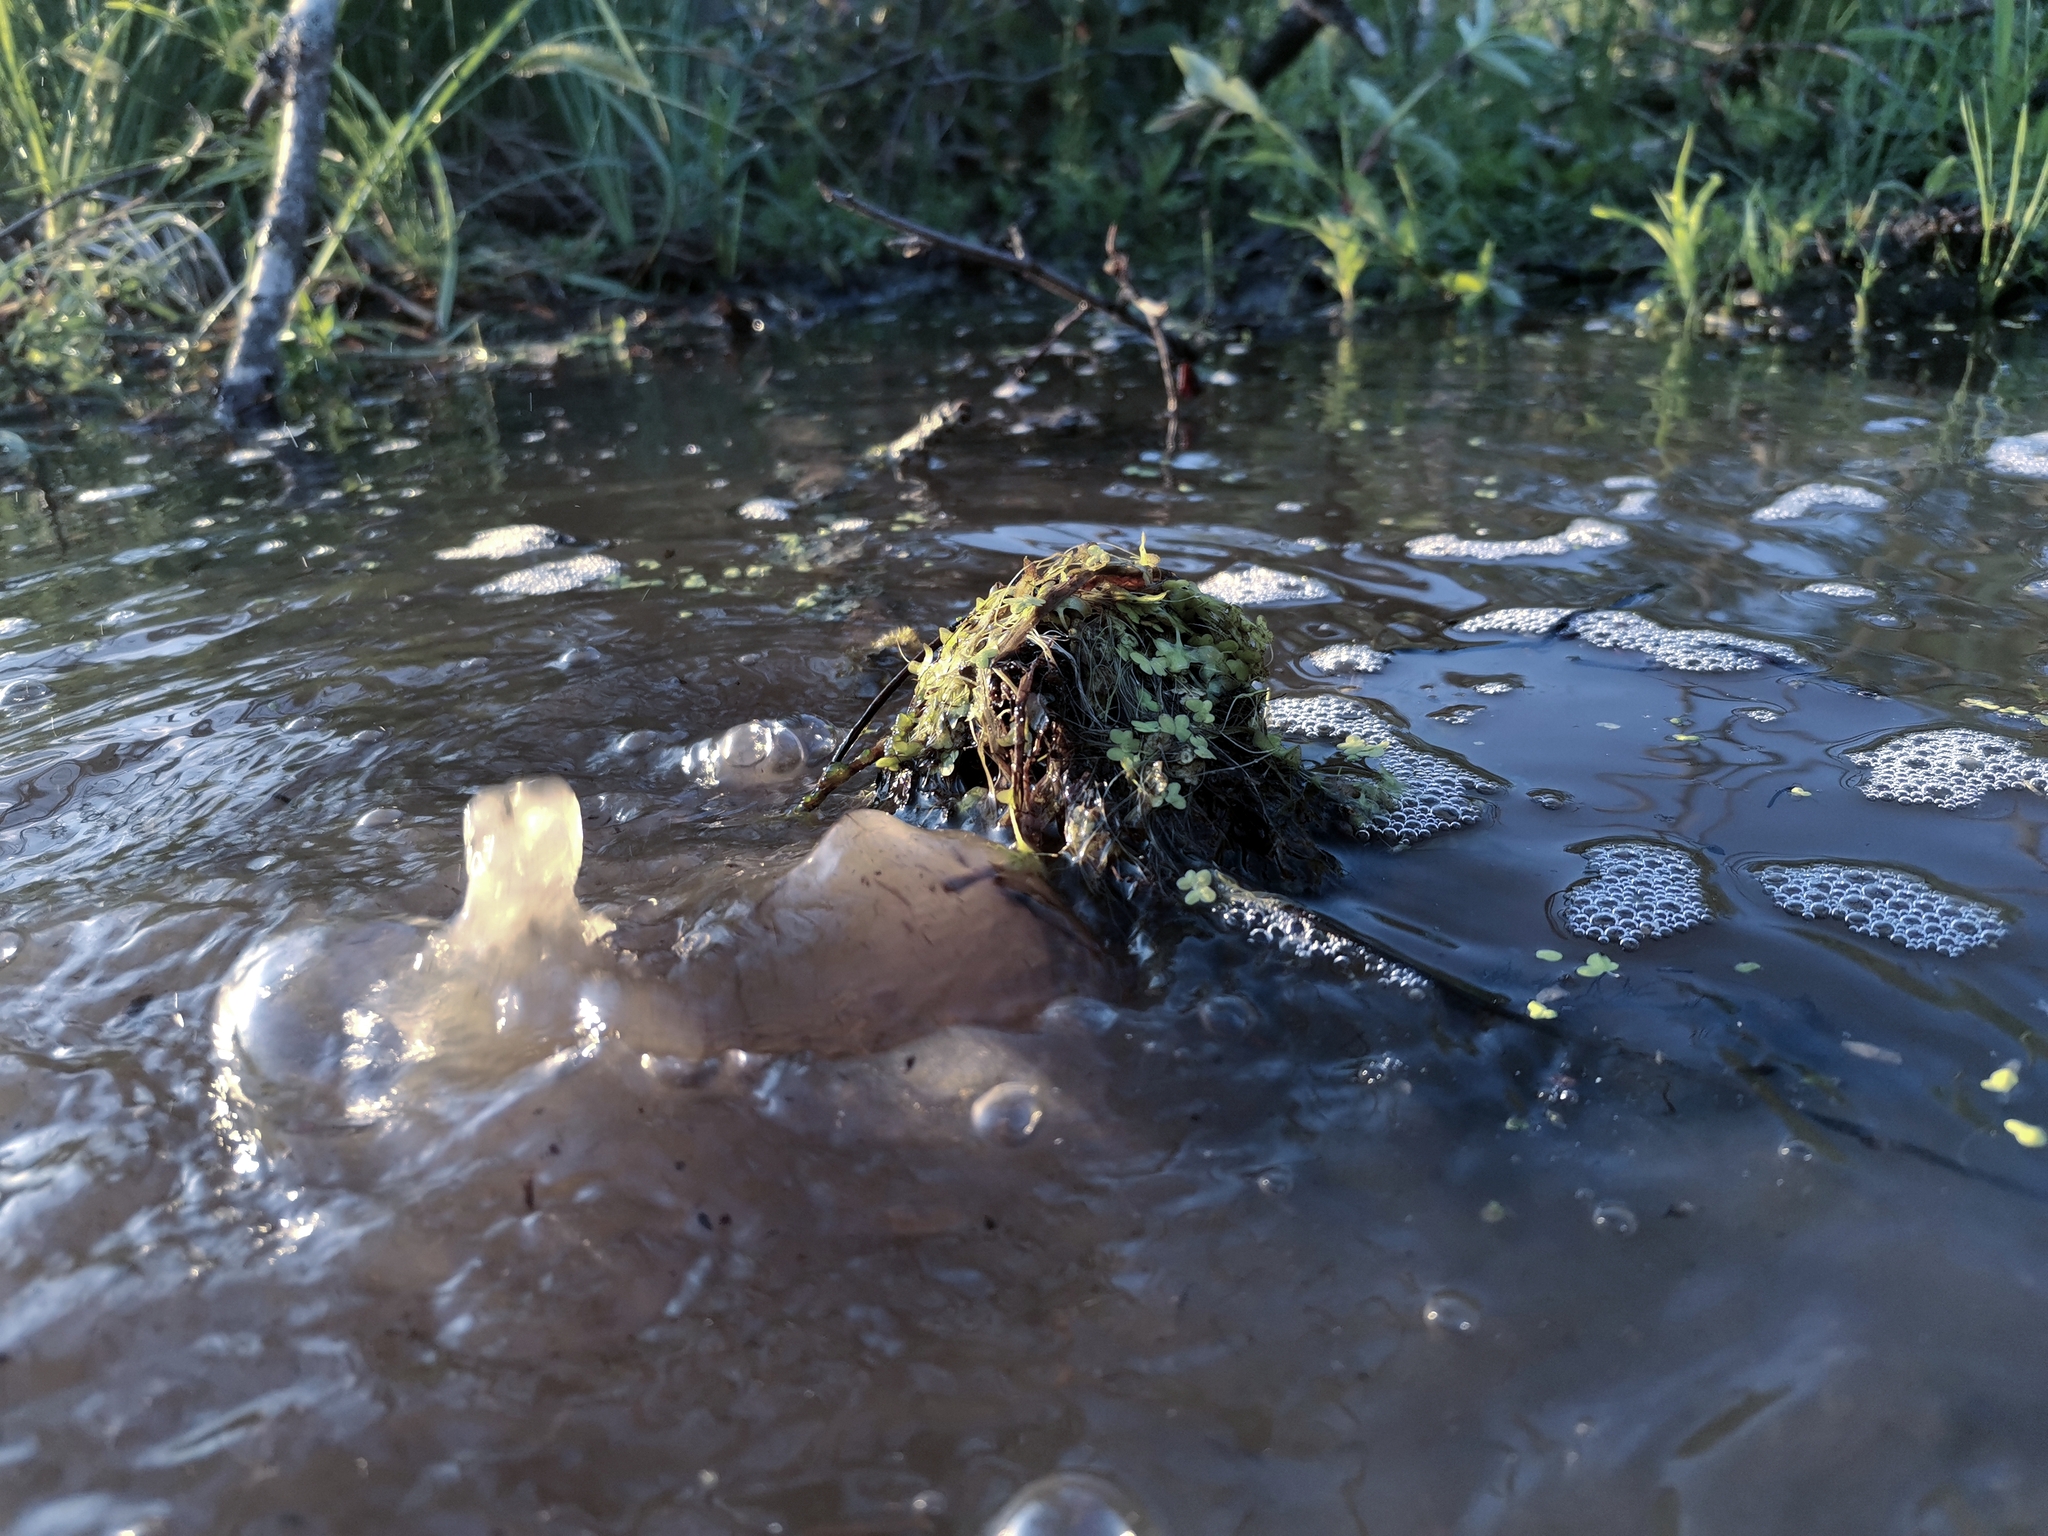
(302, 62)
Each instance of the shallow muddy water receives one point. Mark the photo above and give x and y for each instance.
(1743, 1235)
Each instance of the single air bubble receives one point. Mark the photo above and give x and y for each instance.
(1275, 1181)
(1513, 621)
(1007, 1114)
(504, 543)
(554, 576)
(1335, 659)
(1613, 1216)
(1950, 768)
(1068, 1504)
(1452, 1311)
(753, 752)
(1258, 586)
(1580, 534)
(1812, 498)
(2026, 457)
(1795, 1151)
(1635, 891)
(1910, 911)
(766, 509)
(1683, 650)
(1845, 591)
(310, 1010)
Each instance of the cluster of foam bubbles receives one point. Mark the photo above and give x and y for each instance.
(1846, 591)
(1513, 621)
(1635, 891)
(1580, 534)
(1260, 586)
(1950, 768)
(553, 576)
(2026, 456)
(1438, 792)
(504, 543)
(1304, 935)
(1639, 495)
(1684, 650)
(752, 752)
(1335, 659)
(1809, 499)
(1885, 904)
(766, 509)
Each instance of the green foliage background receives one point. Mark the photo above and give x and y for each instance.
(483, 155)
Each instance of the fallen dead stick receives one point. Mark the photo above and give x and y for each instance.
(1026, 267)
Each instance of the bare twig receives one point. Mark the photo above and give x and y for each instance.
(89, 188)
(1036, 355)
(255, 369)
(1118, 266)
(1032, 271)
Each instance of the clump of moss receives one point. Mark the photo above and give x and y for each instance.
(1101, 708)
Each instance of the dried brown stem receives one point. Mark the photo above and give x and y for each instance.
(1032, 271)
(1118, 266)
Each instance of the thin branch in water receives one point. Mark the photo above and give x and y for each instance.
(1036, 355)
(923, 238)
(1118, 266)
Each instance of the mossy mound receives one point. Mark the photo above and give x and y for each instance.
(1102, 709)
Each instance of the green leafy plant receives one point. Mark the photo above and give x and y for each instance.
(1680, 231)
(2008, 225)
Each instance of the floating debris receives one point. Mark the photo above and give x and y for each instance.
(554, 576)
(1884, 903)
(2026, 457)
(1809, 499)
(1100, 707)
(114, 493)
(1336, 659)
(939, 418)
(504, 543)
(1259, 586)
(1950, 768)
(1845, 591)
(1633, 891)
(1683, 650)
(766, 509)
(1579, 535)
(1513, 621)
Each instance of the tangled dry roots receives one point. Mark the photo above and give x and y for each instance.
(1103, 709)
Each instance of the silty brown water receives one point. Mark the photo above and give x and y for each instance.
(1733, 1237)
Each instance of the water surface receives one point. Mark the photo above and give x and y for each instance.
(1732, 1238)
